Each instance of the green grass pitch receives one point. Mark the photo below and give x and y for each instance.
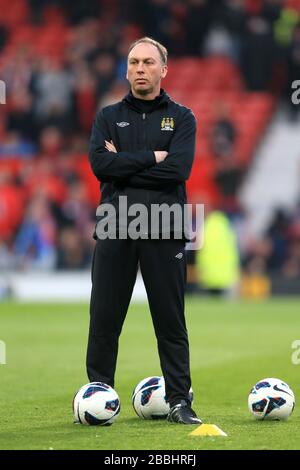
(233, 345)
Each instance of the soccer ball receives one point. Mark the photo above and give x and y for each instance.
(96, 404)
(271, 399)
(149, 398)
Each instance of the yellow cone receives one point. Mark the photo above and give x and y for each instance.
(208, 430)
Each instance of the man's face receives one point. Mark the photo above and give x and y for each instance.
(145, 70)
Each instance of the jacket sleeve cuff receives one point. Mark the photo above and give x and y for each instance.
(149, 158)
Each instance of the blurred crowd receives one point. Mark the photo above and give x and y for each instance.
(47, 211)
(278, 250)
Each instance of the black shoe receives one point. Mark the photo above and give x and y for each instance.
(182, 413)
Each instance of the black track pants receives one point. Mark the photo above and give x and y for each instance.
(114, 273)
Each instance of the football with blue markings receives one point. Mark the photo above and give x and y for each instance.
(271, 399)
(149, 398)
(96, 404)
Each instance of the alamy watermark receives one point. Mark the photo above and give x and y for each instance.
(295, 358)
(296, 94)
(155, 221)
(2, 353)
(2, 92)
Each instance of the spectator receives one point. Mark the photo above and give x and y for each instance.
(218, 260)
(66, 168)
(53, 89)
(104, 67)
(156, 20)
(257, 54)
(278, 235)
(81, 10)
(85, 96)
(76, 209)
(51, 143)
(35, 242)
(223, 133)
(20, 118)
(232, 16)
(72, 251)
(85, 42)
(219, 43)
(228, 174)
(271, 10)
(228, 177)
(197, 24)
(18, 71)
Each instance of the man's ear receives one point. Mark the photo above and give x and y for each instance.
(127, 74)
(164, 71)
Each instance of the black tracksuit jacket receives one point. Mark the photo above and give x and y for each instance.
(133, 171)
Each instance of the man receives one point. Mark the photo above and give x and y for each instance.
(142, 148)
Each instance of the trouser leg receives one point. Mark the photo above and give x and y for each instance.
(164, 276)
(113, 277)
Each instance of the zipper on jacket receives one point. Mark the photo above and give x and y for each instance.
(146, 146)
(144, 130)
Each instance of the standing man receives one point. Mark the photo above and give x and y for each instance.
(142, 149)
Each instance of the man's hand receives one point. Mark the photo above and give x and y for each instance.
(110, 146)
(160, 155)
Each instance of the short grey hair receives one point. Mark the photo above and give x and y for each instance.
(161, 49)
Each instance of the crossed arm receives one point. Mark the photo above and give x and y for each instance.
(145, 169)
